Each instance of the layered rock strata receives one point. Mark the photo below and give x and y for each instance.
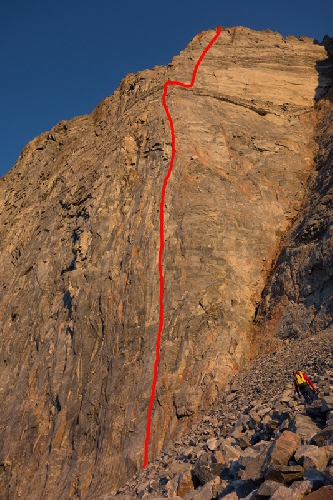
(79, 237)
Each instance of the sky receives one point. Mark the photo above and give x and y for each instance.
(60, 59)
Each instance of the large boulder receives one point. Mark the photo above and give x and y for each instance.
(312, 457)
(231, 496)
(208, 467)
(315, 459)
(187, 481)
(255, 462)
(266, 489)
(242, 488)
(302, 450)
(329, 451)
(304, 427)
(210, 490)
(284, 448)
(315, 410)
(230, 452)
(284, 474)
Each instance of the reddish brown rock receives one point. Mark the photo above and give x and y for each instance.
(324, 493)
(284, 448)
(186, 482)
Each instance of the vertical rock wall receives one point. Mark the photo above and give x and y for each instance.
(79, 241)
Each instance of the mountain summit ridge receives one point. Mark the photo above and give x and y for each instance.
(79, 239)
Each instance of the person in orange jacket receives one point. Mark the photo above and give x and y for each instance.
(304, 386)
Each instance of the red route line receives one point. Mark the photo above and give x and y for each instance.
(160, 253)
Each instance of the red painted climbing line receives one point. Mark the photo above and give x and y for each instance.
(160, 253)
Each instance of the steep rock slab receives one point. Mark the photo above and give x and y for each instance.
(79, 238)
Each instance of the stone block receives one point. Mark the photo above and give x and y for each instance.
(324, 436)
(207, 468)
(187, 481)
(212, 444)
(304, 427)
(285, 474)
(284, 448)
(323, 493)
(207, 492)
(242, 488)
(255, 466)
(266, 489)
(284, 493)
(304, 487)
(327, 404)
(302, 450)
(315, 459)
(231, 496)
(229, 452)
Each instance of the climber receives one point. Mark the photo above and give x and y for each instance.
(302, 384)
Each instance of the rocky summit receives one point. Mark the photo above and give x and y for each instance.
(248, 274)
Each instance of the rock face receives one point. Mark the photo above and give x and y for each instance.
(297, 300)
(79, 238)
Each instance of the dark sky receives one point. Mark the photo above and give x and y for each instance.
(59, 59)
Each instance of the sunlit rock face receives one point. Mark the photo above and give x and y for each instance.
(79, 303)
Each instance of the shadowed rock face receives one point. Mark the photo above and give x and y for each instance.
(79, 242)
(298, 298)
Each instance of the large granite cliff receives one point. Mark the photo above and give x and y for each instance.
(79, 240)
